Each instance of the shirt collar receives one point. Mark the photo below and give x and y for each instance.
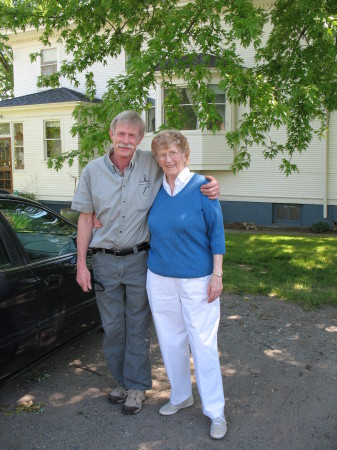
(181, 178)
(131, 164)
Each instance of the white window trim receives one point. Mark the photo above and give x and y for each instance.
(46, 157)
(160, 114)
(58, 62)
(13, 145)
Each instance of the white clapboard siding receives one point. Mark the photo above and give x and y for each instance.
(263, 181)
(26, 72)
(46, 184)
(102, 73)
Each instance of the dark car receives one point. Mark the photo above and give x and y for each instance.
(41, 305)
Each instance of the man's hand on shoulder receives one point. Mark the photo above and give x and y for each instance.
(211, 189)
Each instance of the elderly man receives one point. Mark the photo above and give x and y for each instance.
(120, 188)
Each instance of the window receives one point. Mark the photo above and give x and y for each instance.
(220, 104)
(151, 115)
(5, 164)
(52, 139)
(48, 61)
(5, 129)
(42, 234)
(287, 213)
(186, 112)
(18, 146)
(4, 258)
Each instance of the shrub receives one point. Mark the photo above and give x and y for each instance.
(321, 227)
(28, 195)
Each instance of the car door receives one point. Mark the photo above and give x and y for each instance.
(48, 241)
(18, 306)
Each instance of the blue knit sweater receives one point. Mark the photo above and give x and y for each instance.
(186, 231)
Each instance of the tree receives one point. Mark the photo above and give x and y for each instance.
(6, 71)
(6, 66)
(292, 84)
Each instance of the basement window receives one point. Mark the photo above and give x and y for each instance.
(287, 213)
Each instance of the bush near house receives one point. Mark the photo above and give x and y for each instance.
(321, 227)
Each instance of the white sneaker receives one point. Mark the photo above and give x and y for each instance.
(168, 409)
(218, 427)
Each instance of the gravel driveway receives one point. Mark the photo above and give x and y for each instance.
(279, 366)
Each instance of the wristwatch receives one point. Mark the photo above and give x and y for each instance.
(217, 274)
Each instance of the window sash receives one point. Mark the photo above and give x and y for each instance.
(18, 145)
(5, 129)
(287, 213)
(53, 145)
(186, 111)
(48, 61)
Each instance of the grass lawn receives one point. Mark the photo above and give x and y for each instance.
(301, 268)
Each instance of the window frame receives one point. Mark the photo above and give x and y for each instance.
(184, 86)
(4, 252)
(152, 108)
(18, 146)
(45, 139)
(52, 63)
(288, 220)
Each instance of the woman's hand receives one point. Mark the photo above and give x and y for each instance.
(214, 288)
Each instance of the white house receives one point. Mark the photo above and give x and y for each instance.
(262, 194)
(37, 122)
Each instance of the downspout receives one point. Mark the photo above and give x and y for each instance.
(325, 167)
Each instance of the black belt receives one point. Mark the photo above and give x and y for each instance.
(128, 251)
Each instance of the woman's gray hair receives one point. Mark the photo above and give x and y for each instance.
(165, 138)
(131, 118)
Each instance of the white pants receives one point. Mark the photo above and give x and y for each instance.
(182, 316)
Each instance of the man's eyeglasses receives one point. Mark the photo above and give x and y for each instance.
(98, 286)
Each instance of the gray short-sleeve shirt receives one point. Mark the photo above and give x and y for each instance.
(120, 202)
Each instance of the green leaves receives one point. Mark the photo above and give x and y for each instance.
(6, 69)
(290, 83)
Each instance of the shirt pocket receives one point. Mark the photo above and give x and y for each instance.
(144, 195)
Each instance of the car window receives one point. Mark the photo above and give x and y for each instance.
(4, 258)
(42, 234)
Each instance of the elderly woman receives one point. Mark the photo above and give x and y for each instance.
(184, 280)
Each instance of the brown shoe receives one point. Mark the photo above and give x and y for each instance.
(134, 402)
(118, 394)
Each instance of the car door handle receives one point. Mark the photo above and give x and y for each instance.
(53, 280)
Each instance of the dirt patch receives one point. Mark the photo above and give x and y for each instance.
(279, 366)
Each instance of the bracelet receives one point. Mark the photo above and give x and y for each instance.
(218, 274)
